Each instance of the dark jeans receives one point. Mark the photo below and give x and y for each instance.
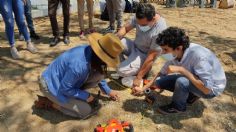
(52, 12)
(28, 16)
(181, 88)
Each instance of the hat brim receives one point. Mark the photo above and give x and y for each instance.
(93, 40)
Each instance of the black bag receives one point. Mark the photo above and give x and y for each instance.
(105, 15)
(128, 7)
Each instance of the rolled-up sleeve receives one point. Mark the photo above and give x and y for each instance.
(68, 82)
(203, 70)
(104, 87)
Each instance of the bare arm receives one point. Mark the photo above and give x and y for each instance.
(147, 65)
(195, 80)
(124, 30)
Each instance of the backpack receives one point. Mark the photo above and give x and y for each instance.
(225, 4)
(128, 7)
(131, 7)
(105, 16)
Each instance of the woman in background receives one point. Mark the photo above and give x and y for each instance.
(7, 8)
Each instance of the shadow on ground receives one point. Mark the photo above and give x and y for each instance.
(173, 120)
(52, 116)
(231, 84)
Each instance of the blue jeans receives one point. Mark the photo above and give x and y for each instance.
(181, 87)
(28, 16)
(7, 8)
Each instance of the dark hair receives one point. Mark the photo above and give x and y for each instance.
(173, 37)
(98, 64)
(145, 11)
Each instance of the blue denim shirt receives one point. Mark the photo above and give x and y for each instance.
(202, 63)
(67, 73)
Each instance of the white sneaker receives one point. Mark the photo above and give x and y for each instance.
(14, 53)
(31, 48)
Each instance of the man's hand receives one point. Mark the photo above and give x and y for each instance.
(149, 84)
(125, 29)
(136, 82)
(137, 91)
(175, 69)
(114, 95)
(90, 99)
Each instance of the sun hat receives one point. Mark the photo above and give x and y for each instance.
(107, 47)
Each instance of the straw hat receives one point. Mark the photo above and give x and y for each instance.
(107, 48)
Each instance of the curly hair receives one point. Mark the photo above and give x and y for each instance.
(145, 11)
(173, 37)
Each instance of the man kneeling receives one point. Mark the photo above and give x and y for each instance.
(193, 72)
(65, 79)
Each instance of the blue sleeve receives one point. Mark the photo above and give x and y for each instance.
(68, 82)
(104, 87)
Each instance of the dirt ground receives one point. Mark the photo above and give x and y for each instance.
(213, 28)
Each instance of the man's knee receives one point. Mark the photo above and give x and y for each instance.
(182, 83)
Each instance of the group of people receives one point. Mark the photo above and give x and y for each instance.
(191, 71)
(22, 10)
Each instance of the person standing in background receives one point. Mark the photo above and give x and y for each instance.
(52, 12)
(29, 20)
(80, 6)
(7, 8)
(114, 8)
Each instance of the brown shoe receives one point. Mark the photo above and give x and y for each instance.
(192, 99)
(44, 103)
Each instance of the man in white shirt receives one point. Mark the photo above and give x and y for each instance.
(193, 72)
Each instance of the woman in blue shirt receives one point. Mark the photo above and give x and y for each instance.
(65, 79)
(7, 8)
